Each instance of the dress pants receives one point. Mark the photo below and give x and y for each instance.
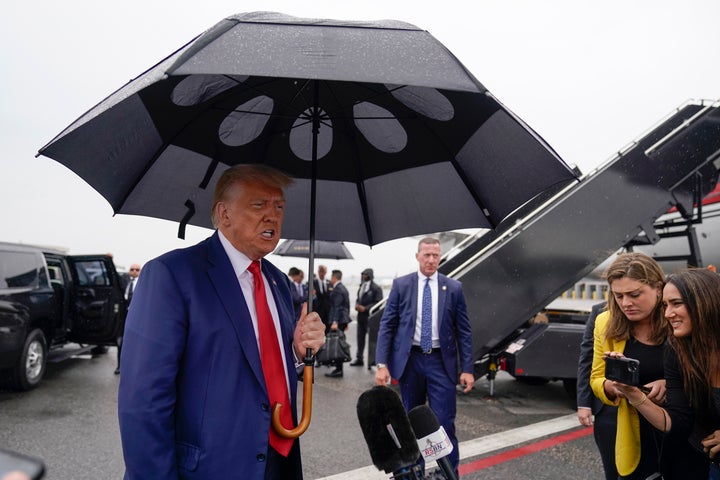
(604, 431)
(362, 330)
(425, 379)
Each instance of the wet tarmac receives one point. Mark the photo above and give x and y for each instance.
(524, 431)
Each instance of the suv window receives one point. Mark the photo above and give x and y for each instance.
(21, 270)
(92, 272)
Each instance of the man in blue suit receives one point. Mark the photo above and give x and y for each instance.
(423, 332)
(297, 291)
(194, 402)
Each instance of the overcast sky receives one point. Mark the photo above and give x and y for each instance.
(588, 76)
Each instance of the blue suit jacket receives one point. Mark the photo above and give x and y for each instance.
(297, 299)
(192, 399)
(397, 326)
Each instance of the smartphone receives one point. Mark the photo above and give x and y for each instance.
(16, 462)
(623, 369)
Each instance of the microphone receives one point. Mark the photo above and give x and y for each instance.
(433, 442)
(388, 434)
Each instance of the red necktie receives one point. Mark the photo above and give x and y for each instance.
(272, 362)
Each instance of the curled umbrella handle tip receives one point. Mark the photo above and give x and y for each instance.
(304, 422)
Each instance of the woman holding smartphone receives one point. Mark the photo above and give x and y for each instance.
(692, 310)
(633, 326)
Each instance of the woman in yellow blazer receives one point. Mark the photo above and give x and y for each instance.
(633, 325)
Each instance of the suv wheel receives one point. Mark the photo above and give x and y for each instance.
(31, 367)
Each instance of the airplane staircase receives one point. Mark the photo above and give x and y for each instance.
(512, 273)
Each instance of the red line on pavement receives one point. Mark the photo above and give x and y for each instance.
(522, 451)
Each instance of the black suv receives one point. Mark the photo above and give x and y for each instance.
(50, 300)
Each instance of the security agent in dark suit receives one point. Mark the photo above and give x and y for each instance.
(369, 293)
(130, 284)
(321, 290)
(588, 404)
(297, 291)
(339, 315)
(425, 360)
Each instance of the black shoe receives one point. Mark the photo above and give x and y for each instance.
(117, 371)
(335, 374)
(370, 365)
(357, 363)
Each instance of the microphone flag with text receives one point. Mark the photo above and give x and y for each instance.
(388, 434)
(433, 442)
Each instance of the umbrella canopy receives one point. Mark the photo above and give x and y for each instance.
(323, 249)
(378, 121)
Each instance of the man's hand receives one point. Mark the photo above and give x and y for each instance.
(585, 416)
(467, 380)
(382, 376)
(309, 333)
(360, 308)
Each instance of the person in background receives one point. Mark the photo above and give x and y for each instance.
(588, 405)
(424, 335)
(321, 290)
(211, 345)
(299, 296)
(692, 310)
(369, 293)
(133, 274)
(633, 325)
(339, 315)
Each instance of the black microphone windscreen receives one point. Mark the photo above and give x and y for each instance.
(386, 429)
(423, 421)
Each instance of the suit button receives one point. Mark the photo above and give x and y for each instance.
(260, 457)
(265, 407)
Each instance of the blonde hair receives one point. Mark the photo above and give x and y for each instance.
(245, 174)
(428, 241)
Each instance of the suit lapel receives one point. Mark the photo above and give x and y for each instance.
(285, 311)
(414, 280)
(442, 295)
(230, 295)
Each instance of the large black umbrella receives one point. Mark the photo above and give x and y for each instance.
(376, 119)
(322, 249)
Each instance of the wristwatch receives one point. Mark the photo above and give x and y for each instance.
(380, 365)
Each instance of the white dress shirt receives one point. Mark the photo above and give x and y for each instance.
(240, 263)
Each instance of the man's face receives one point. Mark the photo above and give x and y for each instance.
(134, 270)
(429, 258)
(251, 218)
(322, 271)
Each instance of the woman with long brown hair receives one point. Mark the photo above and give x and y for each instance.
(692, 310)
(633, 326)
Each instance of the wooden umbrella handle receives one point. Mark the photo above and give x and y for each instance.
(304, 422)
